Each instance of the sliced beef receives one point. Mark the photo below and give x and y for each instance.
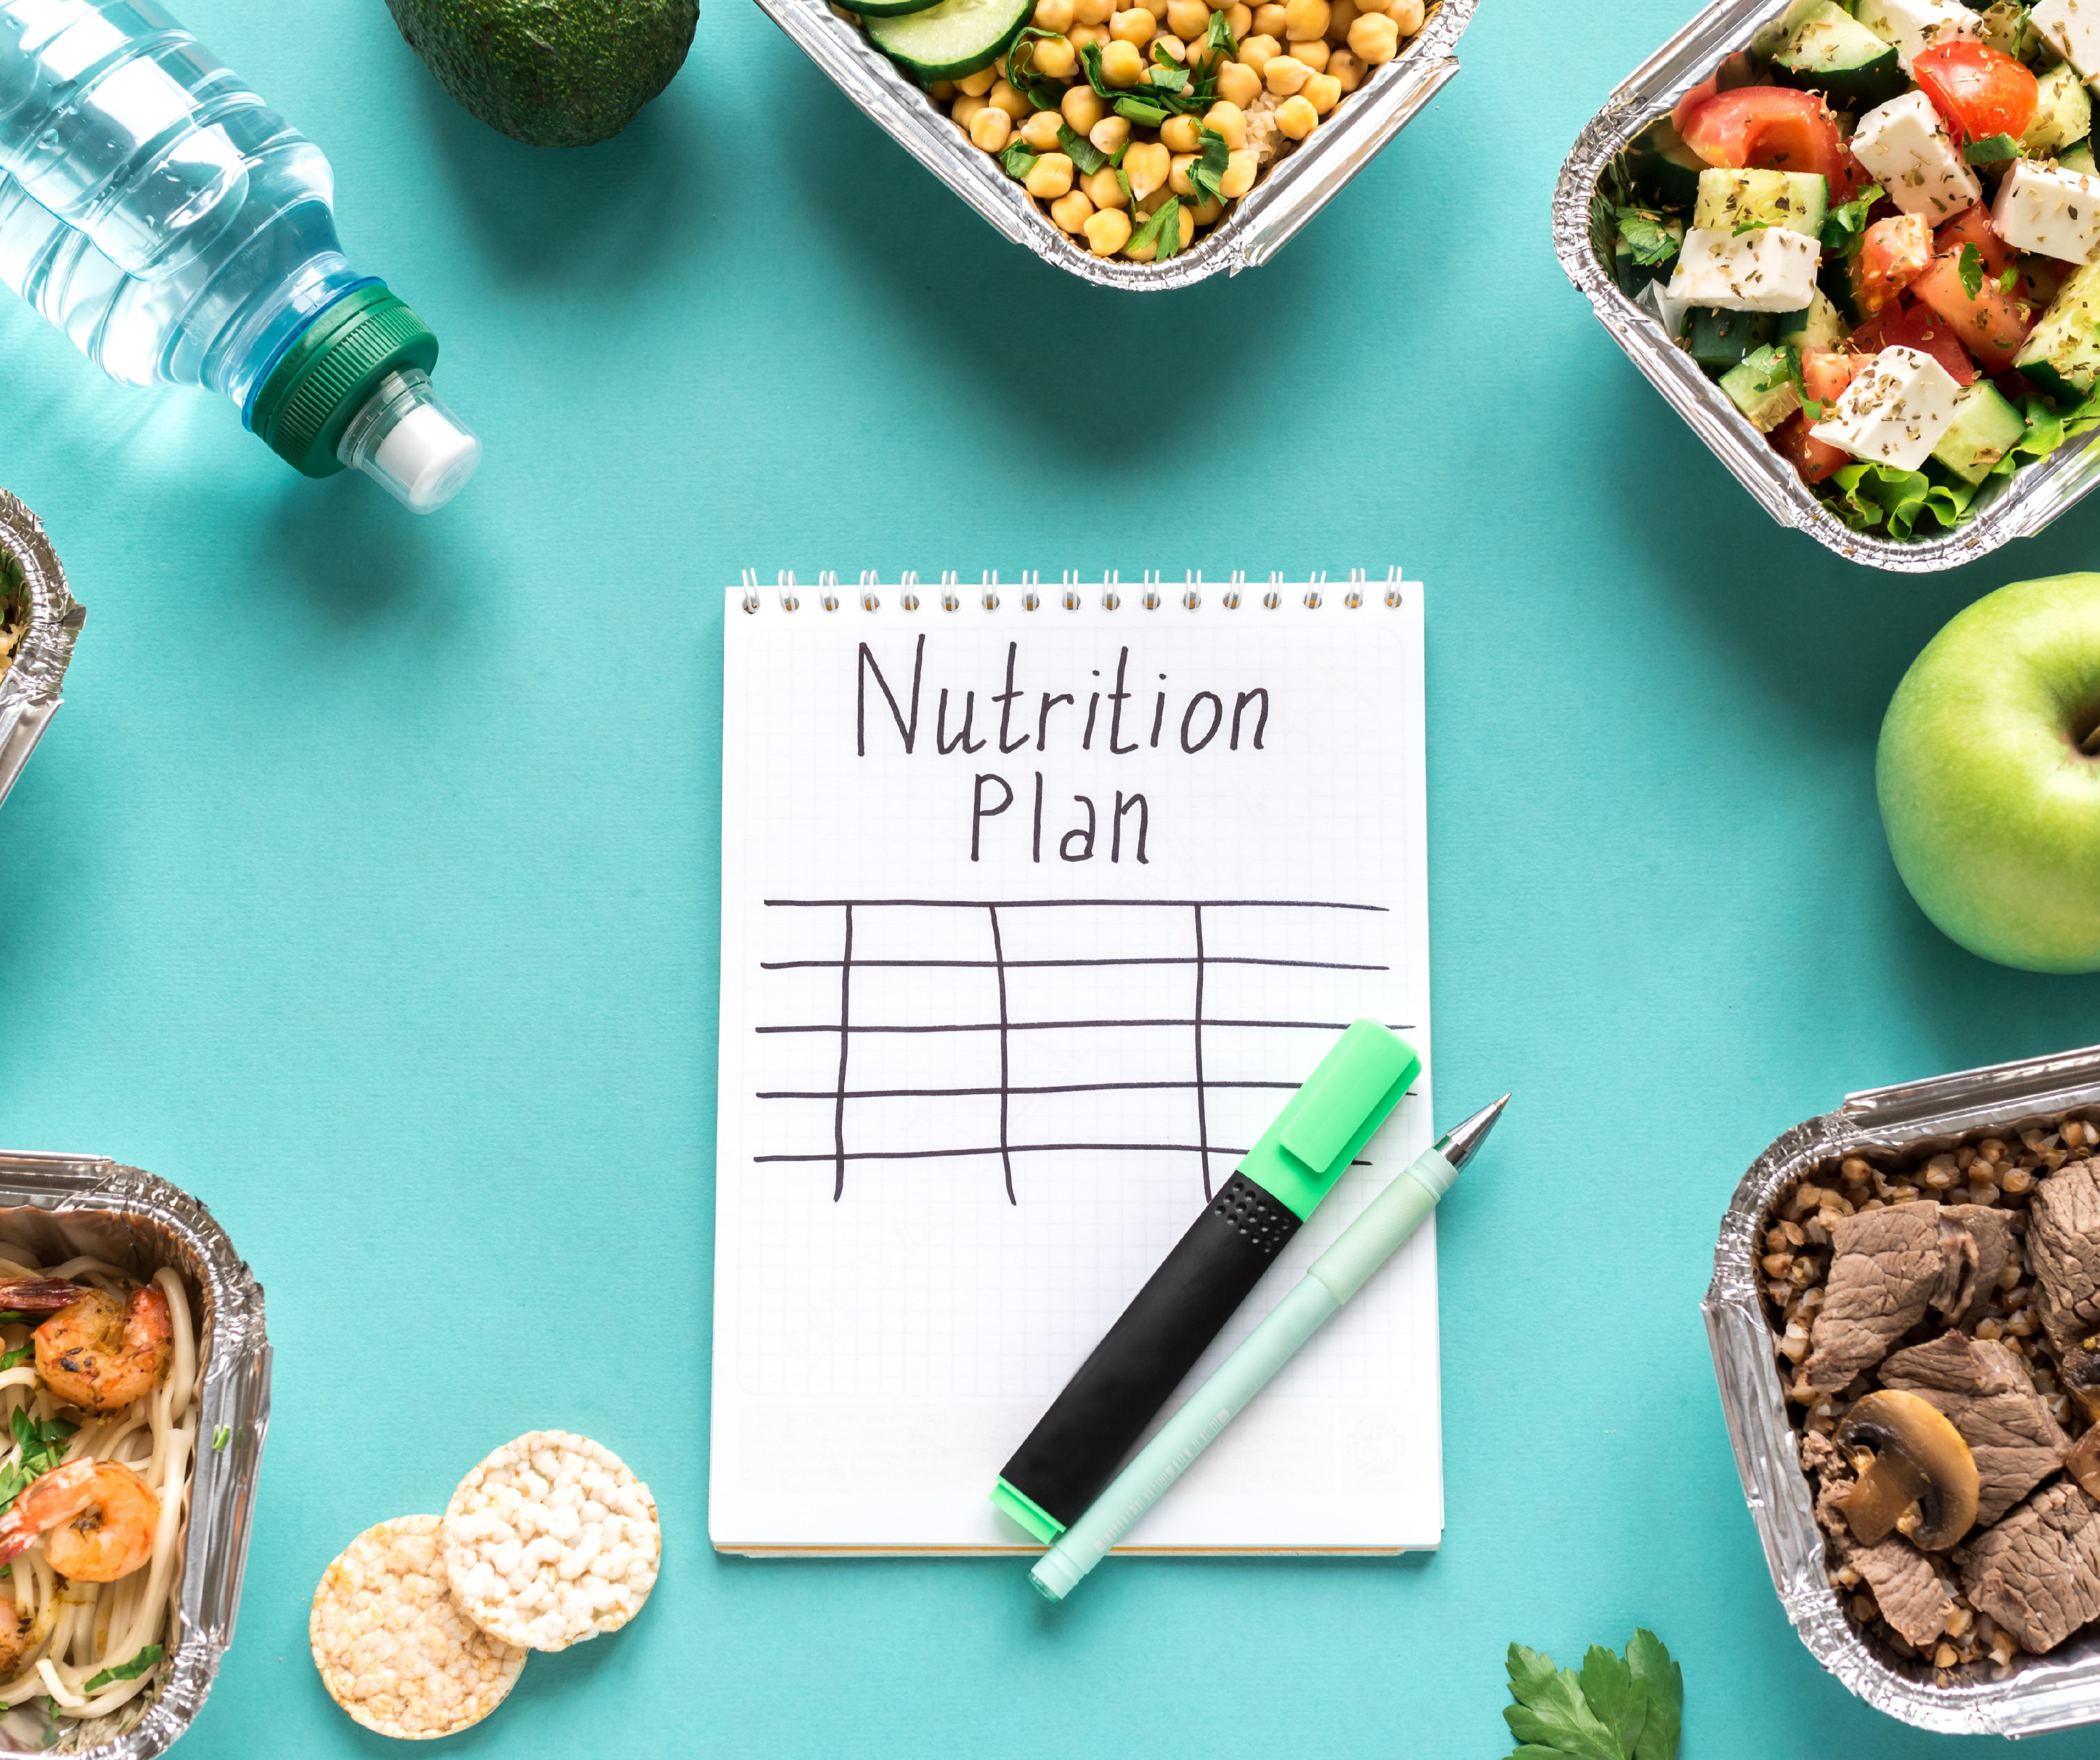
(1885, 1266)
(1990, 1243)
(1985, 1391)
(1906, 1588)
(2064, 1247)
(2037, 1574)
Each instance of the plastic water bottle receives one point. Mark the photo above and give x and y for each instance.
(178, 230)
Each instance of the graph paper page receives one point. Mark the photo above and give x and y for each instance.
(1031, 922)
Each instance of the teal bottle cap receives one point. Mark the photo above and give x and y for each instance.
(331, 372)
(1320, 1131)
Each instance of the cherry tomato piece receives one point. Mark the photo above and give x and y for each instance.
(1772, 128)
(1980, 91)
(1910, 325)
(1992, 322)
(1894, 252)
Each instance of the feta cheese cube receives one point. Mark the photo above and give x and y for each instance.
(2071, 28)
(1766, 269)
(1915, 25)
(1894, 412)
(2049, 210)
(1906, 147)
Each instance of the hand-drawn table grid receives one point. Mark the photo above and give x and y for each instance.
(996, 984)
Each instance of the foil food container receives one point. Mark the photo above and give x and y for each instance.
(2018, 506)
(29, 691)
(2060, 1690)
(1293, 189)
(59, 1205)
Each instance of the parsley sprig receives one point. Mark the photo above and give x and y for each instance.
(1039, 88)
(1628, 1707)
(43, 1447)
(131, 1670)
(1968, 266)
(1162, 231)
(1844, 227)
(20, 1354)
(1791, 359)
(1651, 243)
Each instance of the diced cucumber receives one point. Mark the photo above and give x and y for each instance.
(1730, 200)
(2063, 113)
(1664, 169)
(951, 39)
(1762, 388)
(1985, 428)
(2078, 158)
(1817, 326)
(1719, 340)
(1833, 53)
(891, 8)
(1833, 277)
(2062, 352)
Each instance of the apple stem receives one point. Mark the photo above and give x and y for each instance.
(2090, 745)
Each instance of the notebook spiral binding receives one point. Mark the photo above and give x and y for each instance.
(1071, 593)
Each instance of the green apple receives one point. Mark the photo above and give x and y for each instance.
(1988, 773)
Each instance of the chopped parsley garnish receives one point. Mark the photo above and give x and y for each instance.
(1208, 172)
(1968, 266)
(1791, 359)
(131, 1670)
(2009, 281)
(1994, 149)
(1844, 227)
(43, 1447)
(8, 1317)
(1162, 231)
(1087, 158)
(221, 1437)
(17, 1356)
(1651, 243)
(1221, 38)
(1039, 90)
(1019, 160)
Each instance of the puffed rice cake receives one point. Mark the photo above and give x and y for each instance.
(551, 1541)
(394, 1649)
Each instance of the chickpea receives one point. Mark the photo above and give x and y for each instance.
(1304, 20)
(1406, 16)
(1207, 211)
(1071, 213)
(1188, 19)
(1169, 45)
(1178, 179)
(1284, 74)
(1181, 135)
(1323, 92)
(1150, 249)
(1004, 97)
(1122, 64)
(1227, 120)
(965, 112)
(1314, 54)
(1257, 51)
(1057, 58)
(1040, 130)
(1083, 106)
(1051, 176)
(1348, 71)
(1107, 232)
(1146, 165)
(1341, 15)
(1239, 20)
(1238, 85)
(1242, 168)
(978, 84)
(1109, 134)
(1092, 11)
(990, 128)
(1374, 37)
(1080, 35)
(1296, 117)
(1156, 8)
(1104, 192)
(1202, 56)
(1269, 19)
(1134, 27)
(1054, 16)
(941, 91)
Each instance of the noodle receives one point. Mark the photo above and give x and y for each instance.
(76, 1630)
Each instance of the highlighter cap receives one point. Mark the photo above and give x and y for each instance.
(1327, 1122)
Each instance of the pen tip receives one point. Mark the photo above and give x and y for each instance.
(1459, 1145)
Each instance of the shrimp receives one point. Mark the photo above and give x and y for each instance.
(110, 1516)
(42, 1295)
(99, 1354)
(20, 1633)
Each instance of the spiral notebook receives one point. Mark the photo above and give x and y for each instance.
(1038, 902)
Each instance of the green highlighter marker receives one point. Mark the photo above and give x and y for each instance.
(1339, 1273)
(1076, 1446)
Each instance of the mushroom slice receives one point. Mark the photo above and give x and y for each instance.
(2083, 1462)
(1907, 1453)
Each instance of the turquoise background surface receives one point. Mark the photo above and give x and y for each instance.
(366, 887)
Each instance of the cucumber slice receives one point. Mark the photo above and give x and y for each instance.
(891, 8)
(1834, 54)
(951, 39)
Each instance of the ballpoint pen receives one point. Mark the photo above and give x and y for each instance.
(1339, 1273)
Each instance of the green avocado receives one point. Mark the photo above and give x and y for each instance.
(551, 72)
